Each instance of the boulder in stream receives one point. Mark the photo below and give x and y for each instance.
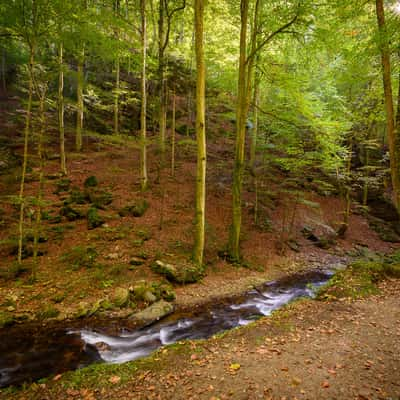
(153, 313)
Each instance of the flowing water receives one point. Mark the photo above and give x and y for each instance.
(39, 354)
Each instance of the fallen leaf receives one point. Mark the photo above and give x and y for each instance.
(234, 366)
(325, 384)
(114, 379)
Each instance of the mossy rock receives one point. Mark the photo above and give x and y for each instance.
(71, 214)
(63, 185)
(77, 196)
(94, 220)
(90, 181)
(83, 310)
(99, 198)
(153, 313)
(182, 273)
(136, 210)
(120, 297)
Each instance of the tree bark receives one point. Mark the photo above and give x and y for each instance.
(143, 110)
(200, 134)
(390, 118)
(61, 130)
(117, 77)
(3, 69)
(79, 117)
(254, 132)
(162, 120)
(173, 134)
(27, 130)
(242, 107)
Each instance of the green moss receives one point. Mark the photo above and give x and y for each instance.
(90, 181)
(94, 220)
(136, 210)
(359, 280)
(70, 213)
(63, 185)
(47, 312)
(6, 319)
(80, 256)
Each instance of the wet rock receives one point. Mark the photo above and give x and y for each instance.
(102, 346)
(120, 297)
(153, 313)
(182, 273)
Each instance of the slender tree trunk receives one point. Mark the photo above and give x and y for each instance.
(3, 69)
(390, 118)
(254, 133)
(79, 117)
(38, 218)
(27, 129)
(241, 115)
(398, 101)
(63, 164)
(117, 76)
(116, 96)
(173, 134)
(200, 134)
(162, 120)
(143, 150)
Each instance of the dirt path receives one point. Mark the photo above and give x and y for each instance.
(311, 350)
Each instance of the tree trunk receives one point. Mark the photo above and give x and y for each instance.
(390, 118)
(27, 129)
(38, 219)
(143, 154)
(117, 78)
(200, 134)
(173, 134)
(116, 97)
(254, 132)
(79, 117)
(162, 120)
(3, 69)
(63, 164)
(241, 115)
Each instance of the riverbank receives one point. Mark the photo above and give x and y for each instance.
(338, 348)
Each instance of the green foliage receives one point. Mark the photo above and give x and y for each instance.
(94, 220)
(80, 256)
(90, 181)
(136, 210)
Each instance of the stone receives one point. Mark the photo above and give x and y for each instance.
(153, 313)
(182, 273)
(149, 296)
(120, 297)
(135, 210)
(136, 261)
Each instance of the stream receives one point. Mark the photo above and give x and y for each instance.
(31, 355)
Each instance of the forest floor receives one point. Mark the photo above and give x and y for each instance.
(346, 349)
